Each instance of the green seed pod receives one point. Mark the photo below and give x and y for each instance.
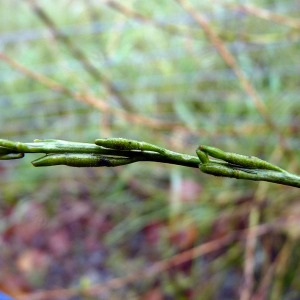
(9, 156)
(128, 145)
(250, 162)
(202, 156)
(81, 160)
(224, 171)
(119, 144)
(212, 151)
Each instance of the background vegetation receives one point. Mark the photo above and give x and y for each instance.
(173, 73)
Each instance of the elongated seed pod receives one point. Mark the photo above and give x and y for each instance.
(6, 154)
(119, 144)
(251, 174)
(202, 156)
(82, 160)
(124, 144)
(9, 156)
(251, 162)
(224, 171)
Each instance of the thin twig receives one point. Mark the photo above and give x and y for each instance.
(80, 56)
(104, 107)
(230, 61)
(89, 99)
(266, 15)
(249, 262)
(173, 29)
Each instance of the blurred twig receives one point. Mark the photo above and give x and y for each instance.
(250, 248)
(230, 61)
(103, 106)
(131, 13)
(80, 56)
(266, 15)
(89, 99)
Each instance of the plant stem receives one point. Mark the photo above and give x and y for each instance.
(63, 147)
(118, 151)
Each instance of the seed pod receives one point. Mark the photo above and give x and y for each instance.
(250, 162)
(224, 171)
(124, 144)
(82, 160)
(202, 156)
(9, 156)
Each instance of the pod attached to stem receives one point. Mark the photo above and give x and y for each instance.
(82, 160)
(250, 162)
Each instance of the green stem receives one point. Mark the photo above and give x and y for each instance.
(66, 147)
(118, 151)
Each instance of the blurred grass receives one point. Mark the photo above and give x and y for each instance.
(131, 217)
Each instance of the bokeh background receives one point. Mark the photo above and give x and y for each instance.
(174, 73)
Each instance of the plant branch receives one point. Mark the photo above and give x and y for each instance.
(114, 152)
